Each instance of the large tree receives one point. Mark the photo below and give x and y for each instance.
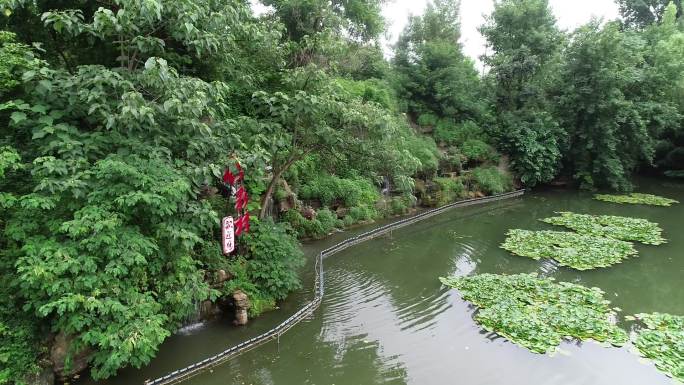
(433, 74)
(525, 46)
(642, 13)
(606, 122)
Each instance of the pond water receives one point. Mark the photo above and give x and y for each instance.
(386, 319)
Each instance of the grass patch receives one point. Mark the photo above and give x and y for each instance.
(623, 228)
(538, 313)
(662, 340)
(636, 199)
(581, 252)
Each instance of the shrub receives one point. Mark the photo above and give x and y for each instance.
(427, 153)
(427, 120)
(297, 221)
(454, 160)
(362, 213)
(445, 131)
(371, 90)
(260, 305)
(450, 133)
(348, 221)
(19, 350)
(448, 190)
(398, 206)
(491, 180)
(478, 151)
(318, 227)
(274, 258)
(330, 188)
(469, 130)
(328, 220)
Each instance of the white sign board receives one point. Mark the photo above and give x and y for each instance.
(228, 235)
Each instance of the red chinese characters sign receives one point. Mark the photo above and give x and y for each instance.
(228, 233)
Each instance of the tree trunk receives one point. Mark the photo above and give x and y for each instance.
(269, 192)
(272, 185)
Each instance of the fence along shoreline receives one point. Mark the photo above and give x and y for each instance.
(187, 372)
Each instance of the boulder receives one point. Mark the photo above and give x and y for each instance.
(223, 276)
(61, 350)
(308, 213)
(289, 201)
(242, 305)
(208, 310)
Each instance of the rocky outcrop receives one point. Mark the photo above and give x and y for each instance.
(308, 213)
(287, 200)
(209, 310)
(62, 349)
(242, 305)
(223, 276)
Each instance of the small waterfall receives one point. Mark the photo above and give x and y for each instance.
(386, 187)
(193, 321)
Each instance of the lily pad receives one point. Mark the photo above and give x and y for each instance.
(662, 340)
(581, 252)
(623, 228)
(538, 313)
(636, 199)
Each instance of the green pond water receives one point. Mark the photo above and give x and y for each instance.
(386, 319)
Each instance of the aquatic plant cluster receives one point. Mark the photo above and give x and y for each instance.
(636, 199)
(538, 313)
(610, 226)
(578, 251)
(597, 240)
(662, 340)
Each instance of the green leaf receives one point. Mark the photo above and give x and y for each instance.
(18, 117)
(662, 340)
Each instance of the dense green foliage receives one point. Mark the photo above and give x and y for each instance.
(610, 226)
(606, 125)
(581, 252)
(594, 105)
(275, 259)
(538, 313)
(491, 180)
(662, 340)
(118, 118)
(434, 78)
(637, 199)
(642, 13)
(526, 46)
(448, 190)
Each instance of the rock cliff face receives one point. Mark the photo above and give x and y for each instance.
(242, 304)
(67, 363)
